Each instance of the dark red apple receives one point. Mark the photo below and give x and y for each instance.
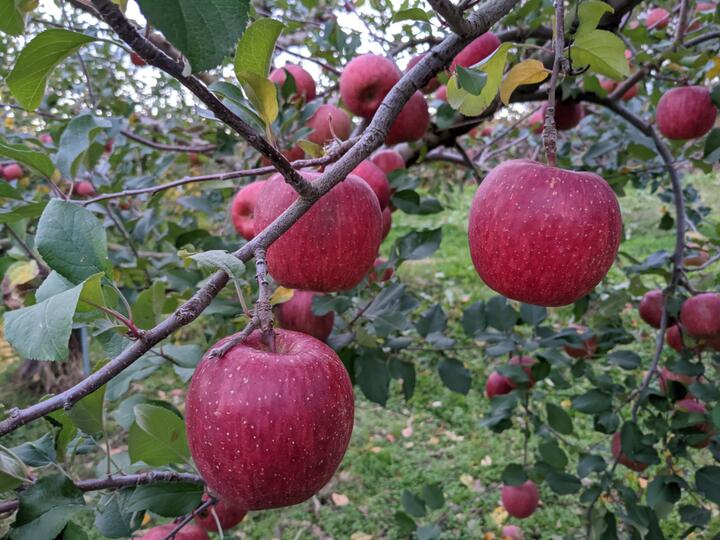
(657, 19)
(651, 307)
(690, 405)
(227, 515)
(512, 532)
(290, 154)
(674, 338)
(587, 349)
(12, 171)
(610, 85)
(108, 146)
(412, 122)
(430, 87)
(266, 428)
(376, 179)
(188, 532)
(685, 113)
(304, 83)
(567, 114)
(476, 51)
(386, 222)
(520, 501)
(497, 385)
(543, 235)
(329, 122)
(526, 362)
(330, 248)
(137, 60)
(380, 271)
(700, 315)
(388, 160)
(242, 210)
(365, 82)
(296, 314)
(623, 459)
(83, 188)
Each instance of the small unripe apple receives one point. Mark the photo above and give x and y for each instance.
(376, 179)
(329, 122)
(333, 245)
(365, 82)
(520, 501)
(685, 113)
(430, 87)
(512, 532)
(137, 60)
(690, 405)
(242, 210)
(296, 314)
(698, 258)
(623, 459)
(268, 428)
(651, 307)
(228, 515)
(610, 85)
(12, 171)
(388, 160)
(543, 235)
(188, 532)
(412, 122)
(526, 363)
(304, 83)
(84, 188)
(700, 315)
(587, 349)
(386, 221)
(657, 19)
(497, 385)
(380, 271)
(476, 51)
(567, 114)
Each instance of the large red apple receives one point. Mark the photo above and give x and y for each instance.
(497, 385)
(242, 210)
(587, 349)
(700, 315)
(83, 188)
(657, 19)
(543, 235)
(365, 82)
(227, 514)
(512, 532)
(476, 51)
(520, 501)
(623, 459)
(376, 179)
(412, 122)
(329, 122)
(188, 532)
(651, 307)
(388, 160)
(567, 114)
(268, 429)
(386, 222)
(685, 113)
(12, 171)
(304, 83)
(690, 405)
(330, 248)
(296, 314)
(430, 87)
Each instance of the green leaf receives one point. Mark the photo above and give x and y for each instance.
(707, 481)
(500, 314)
(72, 241)
(454, 375)
(148, 306)
(28, 79)
(73, 531)
(514, 475)
(75, 142)
(418, 244)
(12, 19)
(157, 437)
(413, 504)
(473, 105)
(9, 192)
(25, 211)
(428, 532)
(433, 496)
(112, 519)
(592, 402)
(471, 81)
(373, 375)
(204, 31)
(695, 515)
(252, 64)
(411, 14)
(88, 412)
(406, 524)
(168, 499)
(603, 51)
(226, 262)
(563, 483)
(625, 359)
(56, 284)
(431, 321)
(12, 470)
(35, 160)
(711, 153)
(589, 14)
(474, 320)
(533, 315)
(553, 455)
(65, 434)
(558, 419)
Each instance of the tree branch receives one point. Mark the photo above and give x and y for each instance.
(549, 131)
(168, 147)
(702, 39)
(452, 15)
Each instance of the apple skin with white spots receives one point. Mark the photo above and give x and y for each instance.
(296, 314)
(268, 429)
(543, 235)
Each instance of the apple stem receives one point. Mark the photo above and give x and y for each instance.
(263, 306)
(549, 129)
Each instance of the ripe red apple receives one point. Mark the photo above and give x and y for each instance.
(83, 189)
(587, 349)
(700, 315)
(108, 146)
(526, 362)
(610, 85)
(698, 258)
(365, 82)
(497, 385)
(227, 514)
(476, 51)
(430, 87)
(690, 405)
(12, 171)
(487, 131)
(657, 18)
(268, 429)
(296, 314)
(330, 248)
(386, 222)
(441, 93)
(188, 532)
(674, 338)
(520, 501)
(388, 160)
(46, 138)
(685, 113)
(543, 235)
(512, 532)
(536, 121)
(376, 179)
(412, 122)
(242, 210)
(666, 376)
(623, 459)
(329, 122)
(567, 114)
(137, 60)
(651, 307)
(378, 274)
(304, 83)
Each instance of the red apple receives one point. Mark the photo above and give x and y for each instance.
(365, 82)
(666, 376)
(699, 256)
(386, 222)
(327, 123)
(487, 131)
(651, 307)
(242, 210)
(512, 532)
(430, 87)
(690, 405)
(193, 158)
(587, 349)
(227, 514)
(108, 146)
(657, 18)
(441, 93)
(330, 248)
(520, 501)
(674, 338)
(304, 83)
(388, 160)
(476, 51)
(700, 315)
(296, 314)
(610, 85)
(291, 155)
(84, 188)
(188, 532)
(376, 179)
(623, 459)
(12, 171)
(497, 385)
(567, 114)
(526, 362)
(412, 122)
(536, 121)
(543, 235)
(378, 274)
(137, 60)
(685, 113)
(266, 428)
(46, 138)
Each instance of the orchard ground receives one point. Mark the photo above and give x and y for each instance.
(435, 437)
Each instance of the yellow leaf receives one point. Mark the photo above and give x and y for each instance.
(281, 295)
(310, 148)
(146, 519)
(566, 403)
(527, 72)
(499, 515)
(339, 499)
(262, 94)
(21, 272)
(715, 71)
(9, 122)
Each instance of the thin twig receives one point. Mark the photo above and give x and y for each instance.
(211, 501)
(549, 130)
(469, 162)
(42, 267)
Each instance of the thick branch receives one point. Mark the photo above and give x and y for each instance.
(702, 39)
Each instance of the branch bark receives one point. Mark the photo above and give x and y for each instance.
(168, 147)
